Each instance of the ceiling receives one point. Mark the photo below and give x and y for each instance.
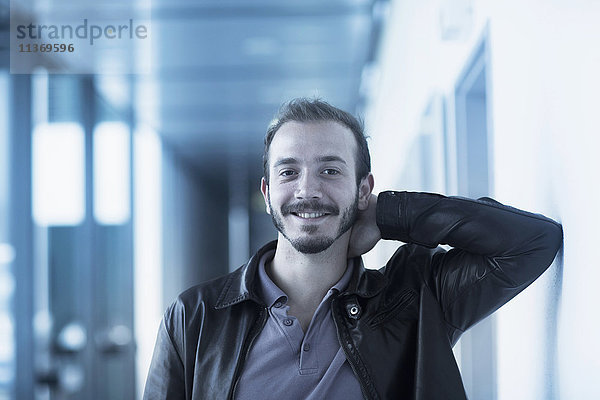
(221, 69)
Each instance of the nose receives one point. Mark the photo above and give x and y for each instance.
(309, 187)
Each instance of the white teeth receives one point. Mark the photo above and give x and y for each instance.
(310, 215)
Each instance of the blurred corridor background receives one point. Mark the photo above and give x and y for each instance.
(131, 172)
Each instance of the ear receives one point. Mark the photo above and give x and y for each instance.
(264, 188)
(365, 188)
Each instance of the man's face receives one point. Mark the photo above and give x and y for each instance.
(312, 195)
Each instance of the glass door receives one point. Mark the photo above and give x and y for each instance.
(66, 269)
(83, 269)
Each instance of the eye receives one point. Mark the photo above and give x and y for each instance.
(331, 171)
(287, 172)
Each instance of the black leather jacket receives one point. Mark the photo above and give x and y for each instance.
(396, 326)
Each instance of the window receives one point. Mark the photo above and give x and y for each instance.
(111, 173)
(58, 174)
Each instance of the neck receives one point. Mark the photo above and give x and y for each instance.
(306, 278)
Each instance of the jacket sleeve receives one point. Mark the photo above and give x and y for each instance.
(166, 375)
(497, 251)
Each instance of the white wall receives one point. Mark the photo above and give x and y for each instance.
(543, 94)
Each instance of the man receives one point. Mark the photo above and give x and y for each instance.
(303, 319)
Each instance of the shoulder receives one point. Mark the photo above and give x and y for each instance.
(208, 291)
(411, 258)
(194, 302)
(412, 266)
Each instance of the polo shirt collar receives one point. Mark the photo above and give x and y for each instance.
(270, 293)
(243, 283)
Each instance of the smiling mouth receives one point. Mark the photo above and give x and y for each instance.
(310, 215)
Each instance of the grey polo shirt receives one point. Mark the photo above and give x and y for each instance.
(286, 363)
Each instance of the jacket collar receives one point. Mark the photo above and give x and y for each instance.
(242, 284)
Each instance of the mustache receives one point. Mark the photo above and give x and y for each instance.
(309, 206)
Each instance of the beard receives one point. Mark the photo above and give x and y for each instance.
(313, 243)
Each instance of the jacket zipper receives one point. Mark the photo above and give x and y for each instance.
(338, 326)
(253, 334)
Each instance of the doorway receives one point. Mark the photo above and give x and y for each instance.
(474, 180)
(70, 304)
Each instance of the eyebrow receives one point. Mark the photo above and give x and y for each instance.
(285, 161)
(291, 160)
(331, 158)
